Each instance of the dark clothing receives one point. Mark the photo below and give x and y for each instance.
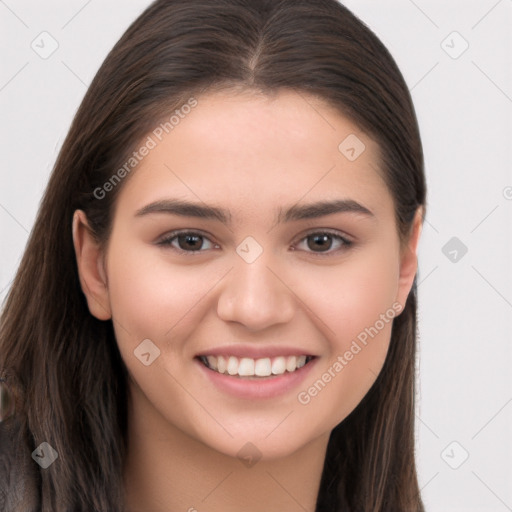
(18, 472)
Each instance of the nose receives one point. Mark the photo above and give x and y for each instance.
(256, 296)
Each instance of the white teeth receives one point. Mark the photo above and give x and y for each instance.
(247, 367)
(233, 365)
(213, 362)
(301, 361)
(263, 367)
(291, 363)
(278, 365)
(221, 365)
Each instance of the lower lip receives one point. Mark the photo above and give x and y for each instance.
(261, 388)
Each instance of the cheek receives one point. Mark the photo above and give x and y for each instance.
(152, 298)
(356, 303)
(348, 297)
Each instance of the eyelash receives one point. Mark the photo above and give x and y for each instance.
(345, 243)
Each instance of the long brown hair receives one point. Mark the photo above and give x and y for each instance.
(63, 365)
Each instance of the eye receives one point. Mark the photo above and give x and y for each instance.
(187, 241)
(320, 242)
(324, 242)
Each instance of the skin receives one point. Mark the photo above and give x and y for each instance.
(251, 155)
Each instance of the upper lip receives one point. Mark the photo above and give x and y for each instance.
(254, 352)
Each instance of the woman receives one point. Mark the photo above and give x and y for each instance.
(216, 308)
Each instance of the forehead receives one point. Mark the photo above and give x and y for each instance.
(255, 151)
(287, 125)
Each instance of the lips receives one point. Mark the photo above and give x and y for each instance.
(254, 387)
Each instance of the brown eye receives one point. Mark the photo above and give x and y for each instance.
(187, 241)
(319, 242)
(190, 242)
(324, 242)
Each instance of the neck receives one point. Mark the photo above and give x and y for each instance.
(168, 470)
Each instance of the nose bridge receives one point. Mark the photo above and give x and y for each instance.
(254, 295)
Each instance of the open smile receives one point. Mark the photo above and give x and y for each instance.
(247, 367)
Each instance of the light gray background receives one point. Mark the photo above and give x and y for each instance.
(464, 107)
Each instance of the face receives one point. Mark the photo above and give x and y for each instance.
(249, 242)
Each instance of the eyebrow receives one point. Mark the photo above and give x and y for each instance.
(296, 212)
